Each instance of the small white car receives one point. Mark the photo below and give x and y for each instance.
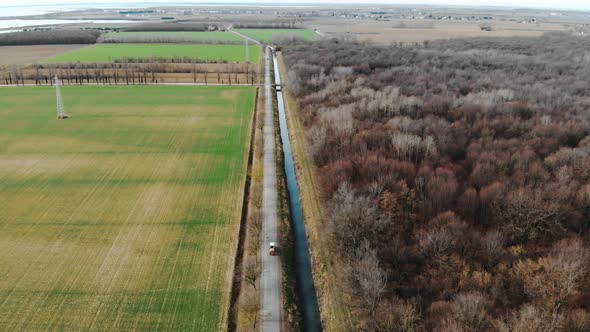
(272, 249)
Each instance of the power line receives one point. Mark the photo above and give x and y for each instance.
(247, 50)
(61, 114)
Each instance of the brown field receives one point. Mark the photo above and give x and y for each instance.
(389, 31)
(22, 55)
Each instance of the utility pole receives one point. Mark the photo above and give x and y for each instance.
(61, 114)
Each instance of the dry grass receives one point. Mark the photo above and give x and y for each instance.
(389, 31)
(243, 318)
(125, 216)
(22, 55)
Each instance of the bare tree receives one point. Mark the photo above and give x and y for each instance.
(470, 309)
(526, 214)
(492, 245)
(577, 321)
(38, 74)
(194, 72)
(251, 271)
(532, 319)
(556, 278)
(254, 231)
(368, 276)
(397, 316)
(251, 308)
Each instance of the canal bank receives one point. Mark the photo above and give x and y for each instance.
(305, 289)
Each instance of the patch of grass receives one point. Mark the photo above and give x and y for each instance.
(125, 216)
(112, 52)
(266, 35)
(174, 36)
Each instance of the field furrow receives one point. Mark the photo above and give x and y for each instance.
(123, 217)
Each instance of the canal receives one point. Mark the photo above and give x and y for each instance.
(303, 276)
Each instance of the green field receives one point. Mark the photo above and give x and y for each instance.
(265, 35)
(174, 36)
(112, 52)
(125, 216)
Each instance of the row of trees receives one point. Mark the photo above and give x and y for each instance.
(116, 73)
(455, 178)
(49, 37)
(92, 36)
(278, 24)
(173, 26)
(175, 59)
(160, 39)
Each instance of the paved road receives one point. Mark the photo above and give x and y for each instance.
(270, 289)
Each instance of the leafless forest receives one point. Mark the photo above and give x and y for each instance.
(455, 177)
(172, 26)
(49, 37)
(274, 24)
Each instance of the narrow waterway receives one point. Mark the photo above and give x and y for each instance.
(303, 276)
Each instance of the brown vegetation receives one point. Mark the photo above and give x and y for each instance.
(131, 73)
(172, 26)
(419, 30)
(277, 24)
(49, 37)
(456, 179)
(246, 309)
(22, 55)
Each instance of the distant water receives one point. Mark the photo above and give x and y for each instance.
(15, 11)
(7, 13)
(8, 31)
(10, 24)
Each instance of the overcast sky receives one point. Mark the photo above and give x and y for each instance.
(565, 4)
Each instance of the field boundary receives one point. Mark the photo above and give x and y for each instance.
(237, 248)
(241, 246)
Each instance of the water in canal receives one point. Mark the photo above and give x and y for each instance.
(303, 276)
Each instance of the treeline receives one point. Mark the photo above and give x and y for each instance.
(268, 25)
(172, 26)
(49, 37)
(176, 59)
(456, 179)
(128, 73)
(163, 40)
